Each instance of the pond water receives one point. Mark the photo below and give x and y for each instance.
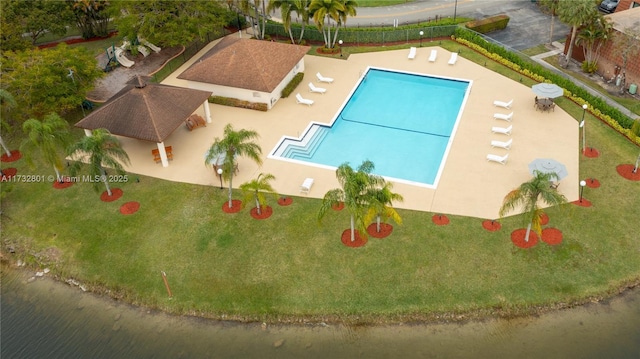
(46, 319)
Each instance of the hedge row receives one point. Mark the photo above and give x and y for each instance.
(234, 102)
(488, 24)
(598, 106)
(295, 81)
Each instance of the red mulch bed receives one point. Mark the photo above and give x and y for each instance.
(285, 201)
(130, 208)
(517, 237)
(346, 239)
(62, 185)
(552, 236)
(265, 212)
(440, 219)
(490, 225)
(544, 219)
(116, 193)
(385, 230)
(584, 203)
(8, 173)
(236, 206)
(71, 41)
(338, 207)
(591, 152)
(626, 171)
(594, 183)
(15, 155)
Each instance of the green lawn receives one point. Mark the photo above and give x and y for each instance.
(289, 266)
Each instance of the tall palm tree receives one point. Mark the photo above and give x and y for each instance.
(326, 10)
(527, 196)
(7, 101)
(356, 193)
(102, 149)
(233, 144)
(349, 10)
(382, 200)
(576, 13)
(302, 10)
(286, 8)
(592, 37)
(552, 7)
(257, 188)
(50, 136)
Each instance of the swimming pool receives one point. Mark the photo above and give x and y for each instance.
(403, 122)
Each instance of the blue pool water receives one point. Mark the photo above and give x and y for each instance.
(402, 122)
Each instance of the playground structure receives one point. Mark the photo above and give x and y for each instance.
(117, 55)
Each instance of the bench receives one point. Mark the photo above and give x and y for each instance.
(195, 121)
(156, 154)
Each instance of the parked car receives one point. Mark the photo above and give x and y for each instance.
(608, 6)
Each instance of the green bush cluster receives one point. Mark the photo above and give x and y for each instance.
(295, 81)
(234, 102)
(489, 24)
(576, 91)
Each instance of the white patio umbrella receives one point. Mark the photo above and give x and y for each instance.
(548, 165)
(547, 90)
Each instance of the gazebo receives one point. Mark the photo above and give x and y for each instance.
(147, 111)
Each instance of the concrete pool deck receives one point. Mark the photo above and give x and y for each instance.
(469, 184)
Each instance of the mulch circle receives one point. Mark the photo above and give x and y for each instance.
(8, 173)
(130, 207)
(626, 171)
(236, 206)
(490, 225)
(358, 242)
(285, 201)
(62, 185)
(552, 236)
(15, 155)
(544, 219)
(265, 212)
(116, 193)
(591, 152)
(517, 237)
(593, 183)
(440, 219)
(582, 203)
(385, 230)
(338, 207)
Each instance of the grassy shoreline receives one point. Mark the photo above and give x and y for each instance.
(290, 269)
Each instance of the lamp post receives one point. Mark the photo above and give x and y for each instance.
(582, 184)
(582, 124)
(220, 174)
(421, 33)
(340, 43)
(455, 10)
(635, 169)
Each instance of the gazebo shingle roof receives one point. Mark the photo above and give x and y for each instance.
(145, 111)
(245, 63)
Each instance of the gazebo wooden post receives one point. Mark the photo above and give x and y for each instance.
(207, 111)
(163, 154)
(88, 133)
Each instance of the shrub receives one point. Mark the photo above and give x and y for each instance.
(489, 24)
(295, 81)
(234, 102)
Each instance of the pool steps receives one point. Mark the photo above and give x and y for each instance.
(305, 147)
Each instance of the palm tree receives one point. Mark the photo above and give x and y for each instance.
(51, 136)
(326, 10)
(300, 7)
(576, 13)
(552, 7)
(593, 36)
(349, 10)
(257, 188)
(356, 194)
(7, 101)
(102, 149)
(233, 144)
(382, 200)
(527, 195)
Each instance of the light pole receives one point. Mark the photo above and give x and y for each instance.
(582, 124)
(421, 33)
(220, 174)
(582, 184)
(635, 169)
(340, 43)
(455, 10)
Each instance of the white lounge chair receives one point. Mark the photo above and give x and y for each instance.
(454, 58)
(412, 53)
(499, 159)
(312, 88)
(502, 130)
(434, 54)
(506, 105)
(324, 79)
(501, 116)
(303, 101)
(506, 145)
(306, 185)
